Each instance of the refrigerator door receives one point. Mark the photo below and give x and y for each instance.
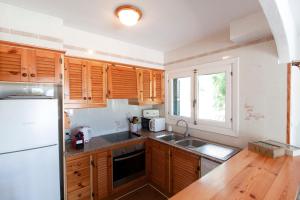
(30, 175)
(28, 123)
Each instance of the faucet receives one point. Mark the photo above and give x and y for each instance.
(186, 134)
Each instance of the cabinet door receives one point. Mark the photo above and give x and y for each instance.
(158, 86)
(96, 83)
(13, 64)
(122, 82)
(102, 178)
(147, 86)
(75, 81)
(45, 67)
(160, 163)
(185, 169)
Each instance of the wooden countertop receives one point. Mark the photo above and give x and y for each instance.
(248, 175)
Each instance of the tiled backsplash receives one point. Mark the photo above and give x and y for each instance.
(110, 119)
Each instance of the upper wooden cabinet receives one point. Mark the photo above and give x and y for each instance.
(45, 67)
(150, 86)
(122, 82)
(85, 83)
(25, 64)
(158, 86)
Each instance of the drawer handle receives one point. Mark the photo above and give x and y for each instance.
(79, 195)
(32, 75)
(24, 74)
(80, 185)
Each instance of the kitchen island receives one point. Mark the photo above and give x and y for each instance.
(248, 175)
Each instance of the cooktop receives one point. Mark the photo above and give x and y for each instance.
(118, 137)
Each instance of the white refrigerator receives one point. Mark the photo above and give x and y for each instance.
(29, 153)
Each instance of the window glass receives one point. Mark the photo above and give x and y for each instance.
(182, 97)
(212, 96)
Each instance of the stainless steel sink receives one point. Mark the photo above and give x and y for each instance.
(170, 137)
(190, 143)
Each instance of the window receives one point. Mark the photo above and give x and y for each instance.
(180, 87)
(203, 95)
(182, 97)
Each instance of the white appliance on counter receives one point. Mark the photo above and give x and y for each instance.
(29, 152)
(157, 124)
(151, 120)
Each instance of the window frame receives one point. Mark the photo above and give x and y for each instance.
(228, 110)
(171, 76)
(231, 125)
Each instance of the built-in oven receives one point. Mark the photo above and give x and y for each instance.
(128, 164)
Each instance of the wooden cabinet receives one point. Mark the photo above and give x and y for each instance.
(102, 175)
(45, 67)
(85, 83)
(122, 82)
(150, 86)
(24, 64)
(78, 178)
(159, 166)
(185, 169)
(158, 87)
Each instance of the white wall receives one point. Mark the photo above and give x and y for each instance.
(262, 87)
(110, 119)
(28, 27)
(295, 106)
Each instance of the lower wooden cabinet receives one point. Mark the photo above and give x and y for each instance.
(185, 169)
(78, 178)
(102, 175)
(159, 163)
(169, 169)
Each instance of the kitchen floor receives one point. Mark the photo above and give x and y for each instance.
(144, 193)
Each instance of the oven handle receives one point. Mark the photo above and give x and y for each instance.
(131, 156)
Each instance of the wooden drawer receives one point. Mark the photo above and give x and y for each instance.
(82, 194)
(78, 174)
(78, 184)
(77, 164)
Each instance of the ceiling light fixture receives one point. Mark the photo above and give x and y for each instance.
(128, 15)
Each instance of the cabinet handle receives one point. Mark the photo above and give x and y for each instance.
(13, 73)
(90, 98)
(84, 98)
(32, 75)
(80, 185)
(24, 74)
(79, 195)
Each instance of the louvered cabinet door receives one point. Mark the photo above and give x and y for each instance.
(122, 82)
(13, 64)
(159, 172)
(102, 179)
(96, 78)
(158, 86)
(185, 169)
(147, 86)
(45, 67)
(75, 81)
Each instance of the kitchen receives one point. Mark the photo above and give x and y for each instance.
(99, 106)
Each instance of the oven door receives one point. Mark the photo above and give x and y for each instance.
(128, 167)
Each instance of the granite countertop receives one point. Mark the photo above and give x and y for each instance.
(100, 143)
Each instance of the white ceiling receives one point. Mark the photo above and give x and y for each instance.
(166, 24)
